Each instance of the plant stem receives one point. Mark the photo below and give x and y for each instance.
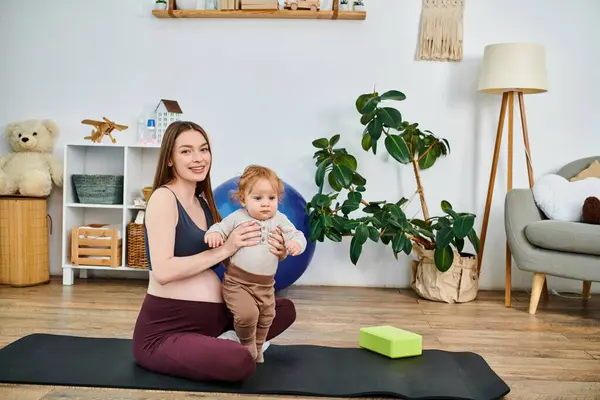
(423, 242)
(420, 190)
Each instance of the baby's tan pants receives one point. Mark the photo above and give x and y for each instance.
(251, 300)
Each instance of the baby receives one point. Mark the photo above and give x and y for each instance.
(248, 282)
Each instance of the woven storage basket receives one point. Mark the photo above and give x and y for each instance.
(136, 246)
(99, 189)
(147, 192)
(24, 246)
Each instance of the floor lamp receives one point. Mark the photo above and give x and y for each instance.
(510, 69)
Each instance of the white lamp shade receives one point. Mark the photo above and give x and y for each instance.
(513, 67)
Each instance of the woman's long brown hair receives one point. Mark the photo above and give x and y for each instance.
(164, 173)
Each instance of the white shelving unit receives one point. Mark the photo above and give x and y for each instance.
(137, 164)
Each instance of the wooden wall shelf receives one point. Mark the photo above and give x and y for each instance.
(333, 14)
(283, 14)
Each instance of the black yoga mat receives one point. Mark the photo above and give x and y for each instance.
(299, 370)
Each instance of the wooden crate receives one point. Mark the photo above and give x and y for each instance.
(96, 245)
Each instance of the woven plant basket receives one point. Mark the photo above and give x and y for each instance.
(459, 284)
(136, 246)
(98, 189)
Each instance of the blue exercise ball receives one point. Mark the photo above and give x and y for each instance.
(293, 206)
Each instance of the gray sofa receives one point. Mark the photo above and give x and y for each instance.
(568, 250)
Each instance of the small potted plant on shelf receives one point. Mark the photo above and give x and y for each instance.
(443, 271)
(359, 5)
(160, 5)
(344, 5)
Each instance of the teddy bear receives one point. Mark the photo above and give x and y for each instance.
(30, 168)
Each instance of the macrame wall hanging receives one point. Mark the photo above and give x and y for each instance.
(441, 37)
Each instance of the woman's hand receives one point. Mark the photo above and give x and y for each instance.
(278, 244)
(246, 234)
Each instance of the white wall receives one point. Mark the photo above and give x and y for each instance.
(266, 88)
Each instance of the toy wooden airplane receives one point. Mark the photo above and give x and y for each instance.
(102, 129)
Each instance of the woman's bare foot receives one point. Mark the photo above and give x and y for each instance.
(259, 355)
(252, 349)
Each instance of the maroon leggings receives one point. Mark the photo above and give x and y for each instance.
(179, 338)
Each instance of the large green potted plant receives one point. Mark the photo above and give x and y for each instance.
(442, 271)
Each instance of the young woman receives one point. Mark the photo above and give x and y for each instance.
(183, 312)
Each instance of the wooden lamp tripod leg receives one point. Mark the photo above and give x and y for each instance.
(490, 193)
(529, 167)
(509, 186)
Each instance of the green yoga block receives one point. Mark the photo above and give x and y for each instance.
(391, 341)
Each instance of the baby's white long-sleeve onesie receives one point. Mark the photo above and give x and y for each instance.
(258, 259)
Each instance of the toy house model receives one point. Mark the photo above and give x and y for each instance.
(167, 111)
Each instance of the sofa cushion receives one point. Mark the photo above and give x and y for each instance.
(574, 237)
(560, 199)
(593, 171)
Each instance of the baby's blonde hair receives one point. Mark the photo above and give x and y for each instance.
(254, 173)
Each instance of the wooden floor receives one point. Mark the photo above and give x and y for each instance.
(554, 354)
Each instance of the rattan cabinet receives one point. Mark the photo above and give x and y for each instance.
(99, 229)
(24, 256)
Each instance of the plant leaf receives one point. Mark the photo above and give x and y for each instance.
(320, 174)
(371, 105)
(463, 225)
(366, 118)
(333, 182)
(408, 247)
(390, 117)
(361, 234)
(371, 209)
(355, 197)
(398, 242)
(375, 129)
(474, 239)
(316, 228)
(355, 250)
(397, 148)
(366, 142)
(427, 160)
(446, 206)
(343, 175)
(320, 200)
(443, 258)
(460, 244)
(393, 95)
(338, 223)
(358, 180)
(347, 160)
(373, 234)
(362, 100)
(322, 143)
(349, 206)
(334, 139)
(333, 235)
(444, 237)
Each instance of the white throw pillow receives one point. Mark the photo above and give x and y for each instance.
(562, 200)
